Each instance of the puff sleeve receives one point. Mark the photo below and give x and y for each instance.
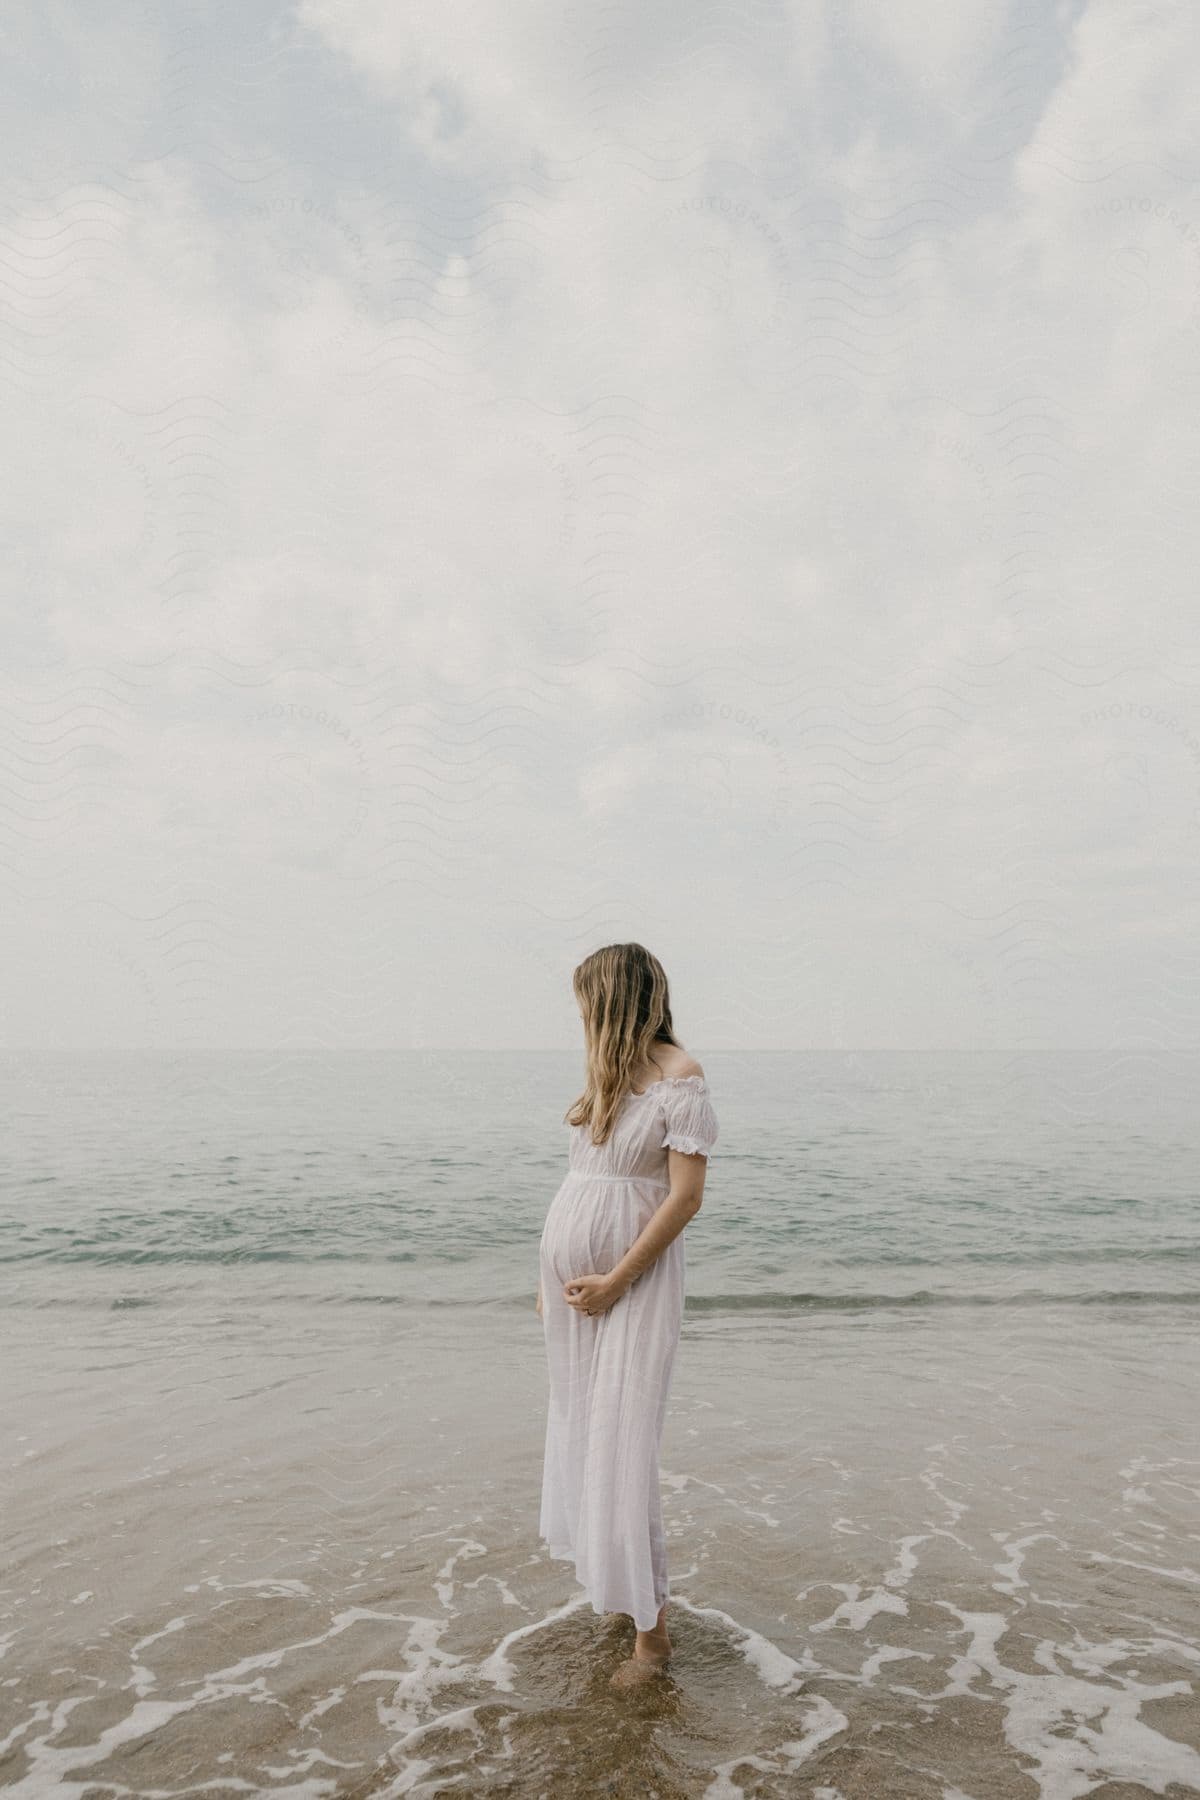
(689, 1122)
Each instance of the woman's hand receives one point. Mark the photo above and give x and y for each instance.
(593, 1294)
(539, 1301)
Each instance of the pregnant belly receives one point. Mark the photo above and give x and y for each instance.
(589, 1228)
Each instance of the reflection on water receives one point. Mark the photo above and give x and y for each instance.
(924, 1557)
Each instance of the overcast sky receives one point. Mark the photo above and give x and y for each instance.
(489, 480)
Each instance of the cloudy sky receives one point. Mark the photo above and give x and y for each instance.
(488, 480)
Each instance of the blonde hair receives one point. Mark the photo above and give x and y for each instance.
(626, 1005)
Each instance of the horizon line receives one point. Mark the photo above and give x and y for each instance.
(561, 1050)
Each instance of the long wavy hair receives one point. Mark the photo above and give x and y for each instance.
(626, 1005)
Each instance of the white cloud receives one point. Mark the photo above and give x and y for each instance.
(512, 487)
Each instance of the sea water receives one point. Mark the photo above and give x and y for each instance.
(274, 1391)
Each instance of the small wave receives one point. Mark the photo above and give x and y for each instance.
(772, 1302)
(696, 1305)
(124, 1257)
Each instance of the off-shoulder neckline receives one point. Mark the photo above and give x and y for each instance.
(666, 1081)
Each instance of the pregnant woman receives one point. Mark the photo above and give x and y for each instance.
(611, 1291)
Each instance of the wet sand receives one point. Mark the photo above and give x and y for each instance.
(268, 1547)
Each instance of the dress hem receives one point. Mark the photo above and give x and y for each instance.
(603, 1612)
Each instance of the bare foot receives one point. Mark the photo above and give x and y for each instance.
(638, 1669)
(651, 1653)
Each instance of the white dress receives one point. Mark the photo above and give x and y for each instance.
(610, 1373)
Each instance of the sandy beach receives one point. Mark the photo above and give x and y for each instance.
(914, 1560)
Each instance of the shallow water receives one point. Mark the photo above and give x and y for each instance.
(270, 1519)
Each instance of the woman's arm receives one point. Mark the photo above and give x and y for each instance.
(595, 1293)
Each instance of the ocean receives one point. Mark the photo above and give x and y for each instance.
(274, 1402)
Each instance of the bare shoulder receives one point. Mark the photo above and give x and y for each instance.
(670, 1062)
